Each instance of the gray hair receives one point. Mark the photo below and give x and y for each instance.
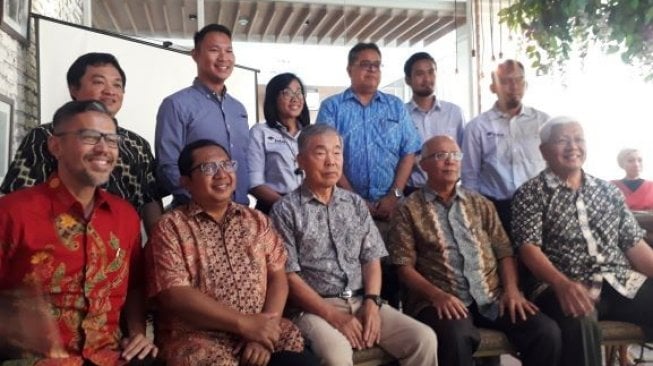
(308, 132)
(547, 127)
(623, 155)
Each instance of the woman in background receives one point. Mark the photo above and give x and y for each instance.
(272, 154)
(638, 192)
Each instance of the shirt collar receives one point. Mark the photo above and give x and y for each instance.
(553, 181)
(194, 209)
(197, 84)
(437, 106)
(432, 196)
(64, 202)
(306, 195)
(349, 94)
(523, 111)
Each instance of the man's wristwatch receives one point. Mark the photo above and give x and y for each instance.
(375, 298)
(398, 192)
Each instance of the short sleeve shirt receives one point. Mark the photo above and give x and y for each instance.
(327, 244)
(84, 266)
(456, 248)
(227, 261)
(583, 232)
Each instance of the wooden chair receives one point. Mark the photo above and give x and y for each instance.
(495, 343)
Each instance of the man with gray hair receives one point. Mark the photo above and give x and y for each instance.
(333, 266)
(576, 235)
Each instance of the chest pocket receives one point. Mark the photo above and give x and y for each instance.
(275, 145)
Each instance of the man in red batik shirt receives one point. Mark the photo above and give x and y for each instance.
(70, 255)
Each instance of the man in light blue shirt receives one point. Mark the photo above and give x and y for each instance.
(501, 146)
(379, 137)
(203, 111)
(431, 116)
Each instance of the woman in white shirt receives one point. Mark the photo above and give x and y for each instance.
(272, 154)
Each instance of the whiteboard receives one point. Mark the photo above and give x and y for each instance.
(152, 72)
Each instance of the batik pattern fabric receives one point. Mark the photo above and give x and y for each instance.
(83, 266)
(133, 177)
(584, 232)
(456, 247)
(328, 243)
(227, 261)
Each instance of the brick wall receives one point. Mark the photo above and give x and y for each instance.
(18, 73)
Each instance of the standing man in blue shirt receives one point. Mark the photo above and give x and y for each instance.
(501, 146)
(380, 139)
(203, 111)
(432, 116)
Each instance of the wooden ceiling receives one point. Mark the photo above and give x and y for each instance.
(327, 22)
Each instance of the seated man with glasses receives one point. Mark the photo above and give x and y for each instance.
(459, 267)
(216, 272)
(70, 255)
(334, 268)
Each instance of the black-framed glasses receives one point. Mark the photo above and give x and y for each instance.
(93, 137)
(443, 155)
(288, 94)
(210, 168)
(370, 65)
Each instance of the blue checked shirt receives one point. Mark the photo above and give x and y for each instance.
(376, 137)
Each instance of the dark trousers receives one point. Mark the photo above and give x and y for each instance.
(287, 358)
(537, 339)
(581, 336)
(504, 210)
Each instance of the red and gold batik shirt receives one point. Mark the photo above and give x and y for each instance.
(82, 266)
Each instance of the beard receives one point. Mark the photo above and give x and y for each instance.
(426, 92)
(513, 103)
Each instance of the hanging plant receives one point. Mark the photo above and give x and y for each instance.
(555, 29)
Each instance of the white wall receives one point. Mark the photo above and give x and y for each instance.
(152, 73)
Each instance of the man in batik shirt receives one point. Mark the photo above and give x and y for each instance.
(575, 233)
(458, 266)
(96, 76)
(334, 267)
(216, 271)
(70, 255)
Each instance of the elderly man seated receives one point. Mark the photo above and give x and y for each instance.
(216, 270)
(333, 264)
(575, 233)
(457, 262)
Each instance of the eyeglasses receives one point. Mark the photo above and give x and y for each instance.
(288, 94)
(211, 168)
(454, 155)
(93, 137)
(370, 65)
(568, 141)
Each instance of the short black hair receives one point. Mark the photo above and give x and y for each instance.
(77, 70)
(185, 161)
(272, 91)
(360, 47)
(199, 35)
(69, 110)
(419, 56)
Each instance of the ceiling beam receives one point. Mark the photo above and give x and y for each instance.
(287, 14)
(381, 21)
(112, 17)
(166, 18)
(397, 22)
(253, 19)
(148, 16)
(330, 25)
(130, 16)
(267, 21)
(299, 23)
(315, 20)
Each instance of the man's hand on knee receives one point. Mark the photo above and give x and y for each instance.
(349, 326)
(574, 298)
(261, 328)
